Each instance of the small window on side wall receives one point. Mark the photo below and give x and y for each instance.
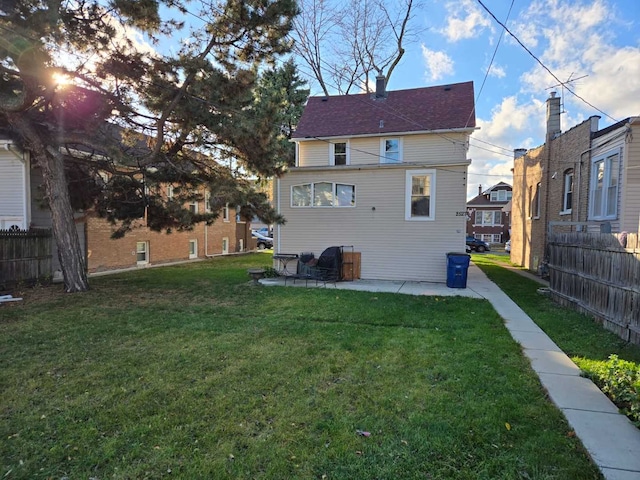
(142, 253)
(420, 195)
(567, 191)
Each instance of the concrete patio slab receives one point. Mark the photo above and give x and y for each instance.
(615, 474)
(579, 393)
(545, 361)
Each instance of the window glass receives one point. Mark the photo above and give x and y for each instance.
(340, 153)
(322, 194)
(567, 190)
(509, 194)
(301, 195)
(502, 195)
(478, 217)
(487, 217)
(391, 151)
(612, 186)
(599, 186)
(345, 195)
(420, 195)
(141, 252)
(494, 196)
(497, 217)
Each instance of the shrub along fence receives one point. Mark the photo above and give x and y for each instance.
(25, 256)
(598, 274)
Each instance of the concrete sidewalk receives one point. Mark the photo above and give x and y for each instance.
(610, 438)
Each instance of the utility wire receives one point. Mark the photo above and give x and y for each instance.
(564, 84)
(495, 51)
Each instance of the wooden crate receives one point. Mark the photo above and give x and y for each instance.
(351, 265)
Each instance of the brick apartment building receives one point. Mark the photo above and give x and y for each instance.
(487, 219)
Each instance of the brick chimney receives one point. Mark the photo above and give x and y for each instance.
(553, 116)
(480, 189)
(380, 86)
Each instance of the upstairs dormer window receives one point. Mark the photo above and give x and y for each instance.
(500, 195)
(391, 150)
(339, 153)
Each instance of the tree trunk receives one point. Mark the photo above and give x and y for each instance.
(51, 163)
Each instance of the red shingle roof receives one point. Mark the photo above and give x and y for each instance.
(419, 109)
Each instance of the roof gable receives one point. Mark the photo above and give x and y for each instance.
(420, 109)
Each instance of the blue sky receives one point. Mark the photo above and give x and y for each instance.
(598, 40)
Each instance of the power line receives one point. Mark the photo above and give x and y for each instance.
(495, 51)
(564, 84)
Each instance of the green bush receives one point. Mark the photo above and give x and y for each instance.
(619, 380)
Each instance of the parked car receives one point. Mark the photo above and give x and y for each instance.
(264, 231)
(262, 240)
(477, 245)
(507, 246)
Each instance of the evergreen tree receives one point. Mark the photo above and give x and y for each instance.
(129, 119)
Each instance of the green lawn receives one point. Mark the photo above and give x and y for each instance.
(190, 372)
(587, 343)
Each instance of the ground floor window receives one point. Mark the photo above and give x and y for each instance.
(489, 237)
(193, 248)
(142, 253)
(225, 245)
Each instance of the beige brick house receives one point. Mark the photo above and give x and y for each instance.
(384, 172)
(584, 179)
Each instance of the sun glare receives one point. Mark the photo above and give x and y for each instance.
(61, 79)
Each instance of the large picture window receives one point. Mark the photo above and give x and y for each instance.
(488, 217)
(323, 194)
(420, 195)
(603, 201)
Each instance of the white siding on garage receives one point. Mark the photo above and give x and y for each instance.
(391, 247)
(13, 186)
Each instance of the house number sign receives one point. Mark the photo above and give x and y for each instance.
(461, 214)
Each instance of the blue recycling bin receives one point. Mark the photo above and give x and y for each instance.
(457, 268)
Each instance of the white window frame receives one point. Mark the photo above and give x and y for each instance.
(567, 191)
(225, 213)
(334, 195)
(383, 152)
(225, 245)
(144, 250)
(408, 194)
(332, 153)
(193, 249)
(493, 223)
(207, 202)
(170, 192)
(606, 161)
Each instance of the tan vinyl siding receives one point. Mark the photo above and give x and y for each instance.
(630, 214)
(428, 149)
(391, 247)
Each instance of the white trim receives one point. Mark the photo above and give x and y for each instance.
(312, 191)
(383, 152)
(332, 153)
(432, 195)
(604, 158)
(225, 245)
(377, 166)
(225, 213)
(145, 251)
(193, 254)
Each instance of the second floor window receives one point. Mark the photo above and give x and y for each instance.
(391, 150)
(340, 153)
(488, 217)
(500, 195)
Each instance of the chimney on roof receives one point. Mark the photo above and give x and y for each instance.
(553, 116)
(380, 86)
(480, 189)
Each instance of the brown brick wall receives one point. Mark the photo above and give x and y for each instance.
(105, 253)
(528, 235)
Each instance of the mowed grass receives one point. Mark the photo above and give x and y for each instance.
(190, 372)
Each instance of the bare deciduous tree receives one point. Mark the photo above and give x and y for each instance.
(346, 47)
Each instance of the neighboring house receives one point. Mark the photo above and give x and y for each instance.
(385, 173)
(583, 179)
(487, 219)
(22, 207)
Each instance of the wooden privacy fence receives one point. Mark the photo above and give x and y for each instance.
(594, 273)
(25, 256)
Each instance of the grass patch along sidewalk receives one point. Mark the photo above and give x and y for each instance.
(190, 372)
(610, 362)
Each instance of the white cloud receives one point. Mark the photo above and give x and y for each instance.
(577, 40)
(497, 71)
(467, 20)
(438, 64)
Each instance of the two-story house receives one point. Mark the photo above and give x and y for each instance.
(583, 179)
(384, 172)
(487, 219)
